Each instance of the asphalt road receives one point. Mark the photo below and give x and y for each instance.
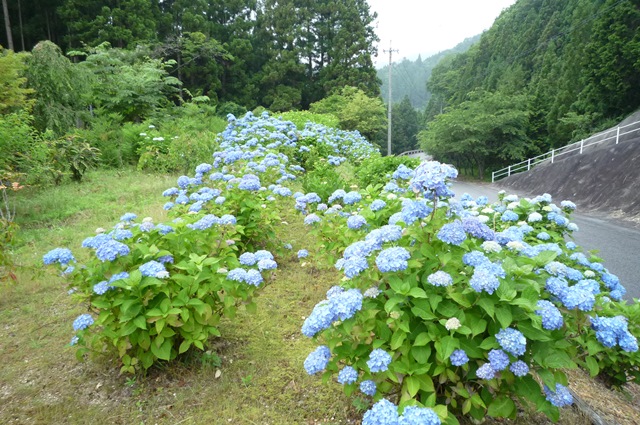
(616, 243)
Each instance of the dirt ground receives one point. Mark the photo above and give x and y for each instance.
(604, 178)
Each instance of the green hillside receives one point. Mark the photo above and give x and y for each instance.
(409, 77)
(546, 73)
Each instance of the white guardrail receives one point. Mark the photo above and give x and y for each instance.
(526, 165)
(407, 153)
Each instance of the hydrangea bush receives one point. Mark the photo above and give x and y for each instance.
(447, 306)
(463, 306)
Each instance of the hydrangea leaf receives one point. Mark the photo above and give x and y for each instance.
(502, 407)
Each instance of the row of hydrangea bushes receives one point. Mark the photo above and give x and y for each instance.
(448, 307)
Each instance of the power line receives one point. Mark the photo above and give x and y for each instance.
(389, 101)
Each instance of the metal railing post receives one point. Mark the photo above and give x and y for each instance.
(617, 135)
(493, 177)
(529, 164)
(581, 144)
(509, 172)
(553, 152)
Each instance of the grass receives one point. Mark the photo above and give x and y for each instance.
(252, 375)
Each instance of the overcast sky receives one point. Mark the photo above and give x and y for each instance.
(427, 27)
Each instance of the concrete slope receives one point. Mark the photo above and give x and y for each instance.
(604, 178)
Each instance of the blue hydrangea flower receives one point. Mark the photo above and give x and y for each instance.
(484, 279)
(172, 191)
(205, 222)
(560, 397)
(486, 372)
(82, 322)
(227, 219)
(568, 205)
(354, 265)
(551, 316)
(320, 319)
(414, 210)
(543, 236)
(345, 304)
(474, 227)
(128, 217)
(614, 330)
(368, 387)
(110, 250)
(387, 233)
(253, 277)
(577, 297)
(475, 259)
(509, 216)
(120, 234)
(96, 241)
(452, 233)
(519, 368)
(382, 413)
(311, 219)
(163, 229)
(237, 275)
(512, 341)
(348, 375)
(267, 264)
(119, 276)
(334, 290)
(379, 360)
(317, 360)
(152, 268)
(303, 253)
(377, 205)
(248, 259)
(359, 249)
(263, 254)
(58, 255)
(431, 177)
(414, 415)
(352, 198)
(183, 182)
(392, 259)
(498, 360)
(102, 287)
(356, 222)
(440, 278)
(203, 168)
(459, 358)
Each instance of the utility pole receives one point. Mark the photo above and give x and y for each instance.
(7, 24)
(389, 100)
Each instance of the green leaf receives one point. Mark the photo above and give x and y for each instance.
(399, 285)
(446, 346)
(533, 333)
(487, 305)
(397, 339)
(503, 314)
(592, 365)
(422, 339)
(140, 322)
(184, 346)
(477, 326)
(502, 407)
(417, 293)
(421, 354)
(164, 351)
(412, 384)
(459, 298)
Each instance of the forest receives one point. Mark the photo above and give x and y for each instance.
(545, 74)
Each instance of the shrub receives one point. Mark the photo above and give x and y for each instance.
(301, 118)
(72, 154)
(378, 170)
(463, 306)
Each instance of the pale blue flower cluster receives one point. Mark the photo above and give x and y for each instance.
(356, 222)
(560, 397)
(612, 331)
(368, 387)
(152, 268)
(392, 259)
(519, 368)
(431, 177)
(459, 358)
(512, 341)
(414, 415)
(379, 360)
(551, 316)
(348, 375)
(82, 322)
(377, 205)
(110, 250)
(339, 305)
(414, 210)
(440, 278)
(317, 360)
(452, 233)
(303, 253)
(62, 256)
(498, 359)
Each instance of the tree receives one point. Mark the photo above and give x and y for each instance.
(13, 93)
(60, 89)
(7, 24)
(355, 111)
(405, 127)
(488, 129)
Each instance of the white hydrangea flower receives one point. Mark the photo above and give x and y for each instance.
(534, 217)
(589, 274)
(547, 208)
(147, 220)
(372, 292)
(487, 210)
(452, 324)
(162, 275)
(513, 205)
(100, 230)
(392, 196)
(491, 246)
(515, 245)
(483, 218)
